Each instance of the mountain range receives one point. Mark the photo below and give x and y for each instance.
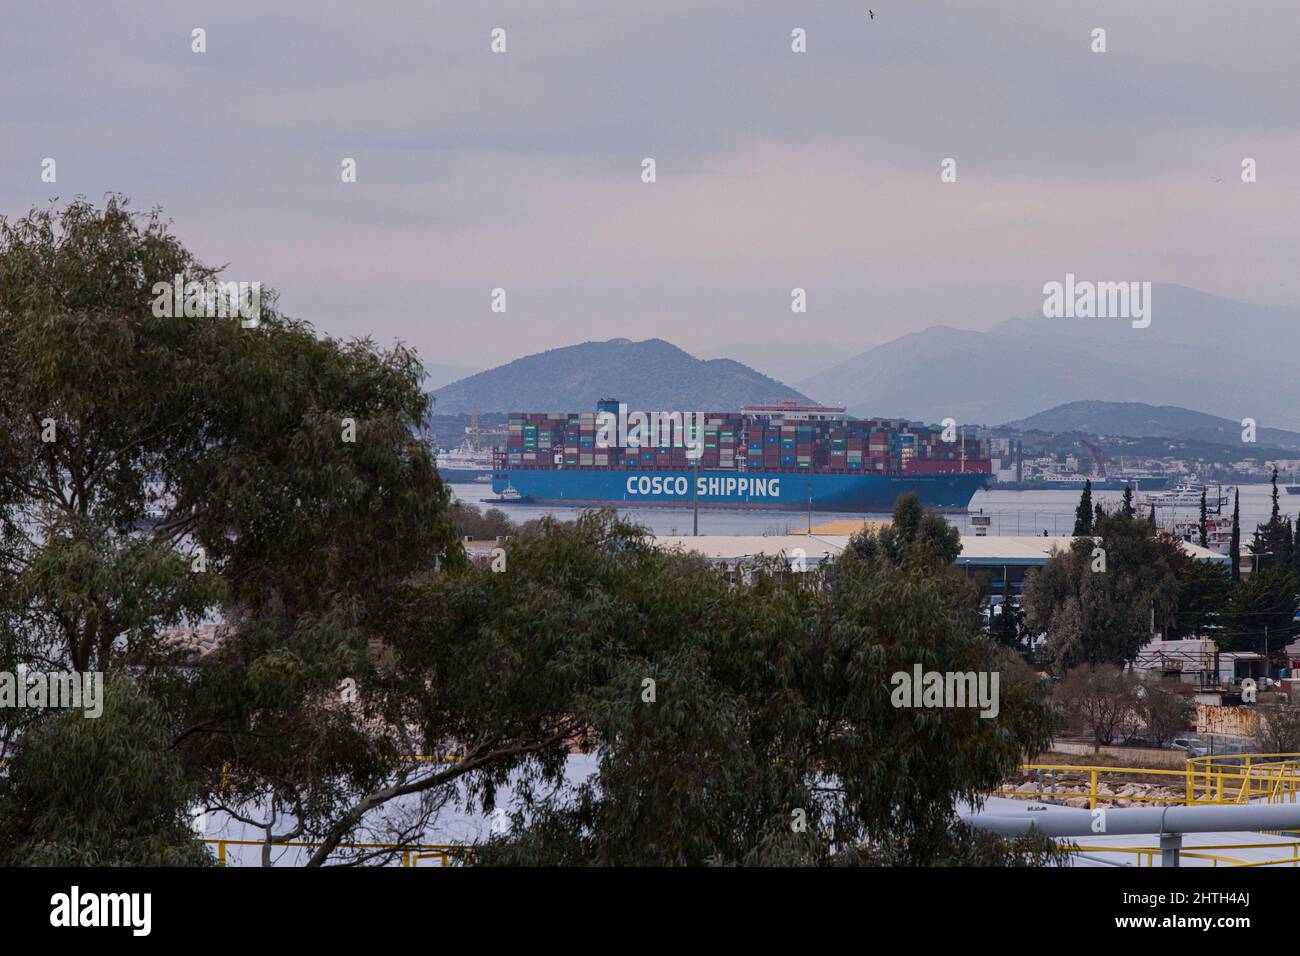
(1138, 420)
(1199, 349)
(653, 375)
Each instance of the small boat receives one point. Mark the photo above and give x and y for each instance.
(509, 496)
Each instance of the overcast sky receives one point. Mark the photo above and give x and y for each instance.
(775, 169)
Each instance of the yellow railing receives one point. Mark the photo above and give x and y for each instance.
(1149, 853)
(412, 854)
(1224, 779)
(1273, 778)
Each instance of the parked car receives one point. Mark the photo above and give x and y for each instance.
(1192, 746)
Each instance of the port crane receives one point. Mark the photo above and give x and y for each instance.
(1097, 456)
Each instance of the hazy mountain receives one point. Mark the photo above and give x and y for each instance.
(787, 360)
(649, 375)
(1199, 349)
(1138, 420)
(439, 375)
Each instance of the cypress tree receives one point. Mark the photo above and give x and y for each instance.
(1235, 547)
(1083, 513)
(1098, 513)
(1204, 529)
(1276, 515)
(1128, 501)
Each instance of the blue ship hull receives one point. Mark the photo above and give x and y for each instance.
(463, 475)
(770, 491)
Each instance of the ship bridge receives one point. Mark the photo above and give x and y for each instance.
(795, 412)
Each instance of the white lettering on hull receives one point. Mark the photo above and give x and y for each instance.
(679, 486)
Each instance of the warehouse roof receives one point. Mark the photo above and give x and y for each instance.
(1022, 549)
(1018, 549)
(989, 550)
(720, 547)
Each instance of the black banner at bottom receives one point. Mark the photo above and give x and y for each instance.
(726, 904)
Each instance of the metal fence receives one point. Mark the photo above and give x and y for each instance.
(1218, 779)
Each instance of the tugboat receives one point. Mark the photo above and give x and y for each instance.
(509, 495)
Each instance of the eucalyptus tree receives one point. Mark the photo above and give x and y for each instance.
(159, 470)
(751, 721)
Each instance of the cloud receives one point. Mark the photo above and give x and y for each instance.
(776, 170)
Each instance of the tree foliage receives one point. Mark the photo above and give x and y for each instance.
(129, 442)
(106, 791)
(1165, 707)
(1100, 699)
(1007, 626)
(1278, 728)
(1261, 606)
(771, 703)
(270, 480)
(912, 534)
(1234, 545)
(1083, 515)
(1203, 589)
(1203, 526)
(480, 525)
(1097, 606)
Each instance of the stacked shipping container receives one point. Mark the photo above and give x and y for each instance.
(768, 442)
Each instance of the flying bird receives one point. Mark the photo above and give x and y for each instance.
(871, 14)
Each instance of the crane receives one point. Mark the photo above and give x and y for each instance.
(1097, 456)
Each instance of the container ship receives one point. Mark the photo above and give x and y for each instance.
(784, 457)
